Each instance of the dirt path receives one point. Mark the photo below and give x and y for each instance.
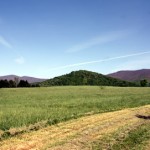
(76, 134)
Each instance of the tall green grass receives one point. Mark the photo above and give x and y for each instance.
(24, 106)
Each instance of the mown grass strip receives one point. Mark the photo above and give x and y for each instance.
(39, 125)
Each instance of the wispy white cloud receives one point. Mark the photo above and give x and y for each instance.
(4, 42)
(20, 60)
(109, 37)
(100, 61)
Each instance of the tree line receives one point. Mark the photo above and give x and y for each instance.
(16, 83)
(75, 78)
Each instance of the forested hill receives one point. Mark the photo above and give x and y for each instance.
(84, 77)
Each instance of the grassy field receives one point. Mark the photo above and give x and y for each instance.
(25, 106)
(117, 130)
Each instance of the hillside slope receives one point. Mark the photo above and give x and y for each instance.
(83, 77)
(136, 75)
(29, 79)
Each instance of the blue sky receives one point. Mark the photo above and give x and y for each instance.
(47, 38)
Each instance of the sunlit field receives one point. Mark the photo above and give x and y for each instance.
(25, 106)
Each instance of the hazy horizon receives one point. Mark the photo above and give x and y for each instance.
(68, 73)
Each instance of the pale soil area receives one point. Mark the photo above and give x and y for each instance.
(77, 134)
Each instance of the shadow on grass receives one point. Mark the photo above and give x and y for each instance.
(143, 117)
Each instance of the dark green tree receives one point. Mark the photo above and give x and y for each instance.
(23, 83)
(143, 83)
(12, 83)
(4, 84)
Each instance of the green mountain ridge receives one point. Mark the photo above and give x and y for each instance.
(83, 77)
